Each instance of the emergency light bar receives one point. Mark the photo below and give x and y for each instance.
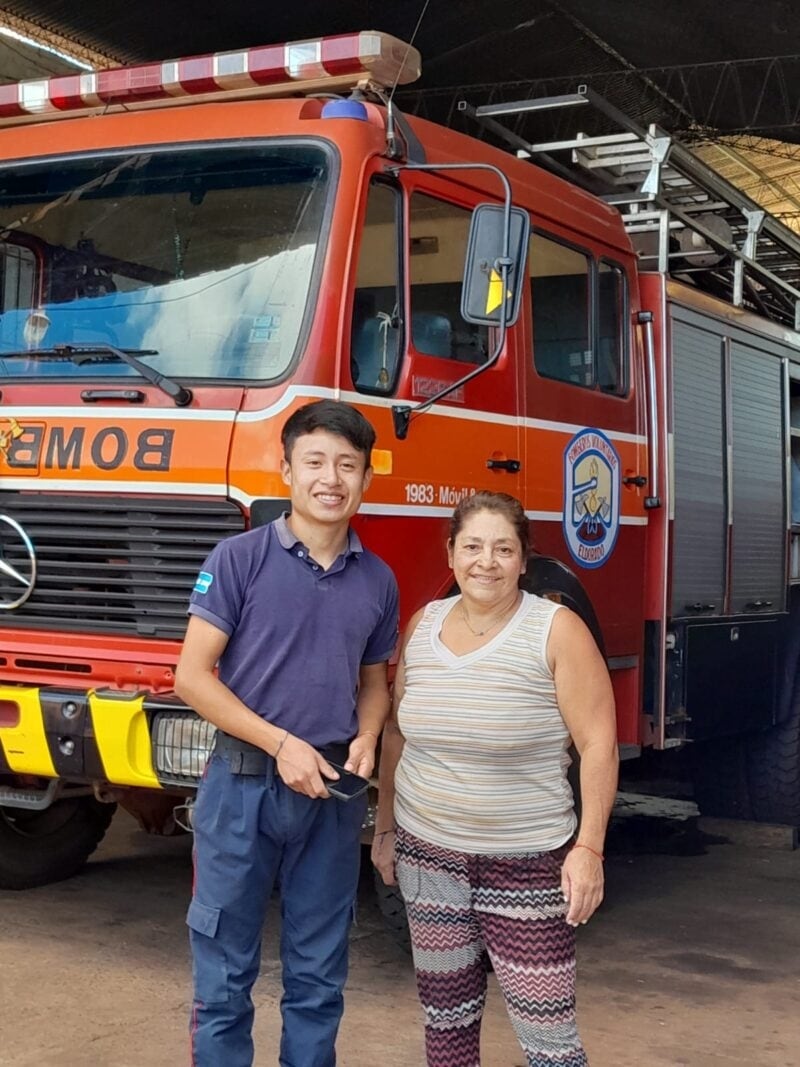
(327, 63)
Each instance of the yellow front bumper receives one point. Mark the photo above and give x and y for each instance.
(78, 735)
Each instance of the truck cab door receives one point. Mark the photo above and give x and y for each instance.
(408, 341)
(586, 446)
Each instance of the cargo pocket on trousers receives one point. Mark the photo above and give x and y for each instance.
(209, 959)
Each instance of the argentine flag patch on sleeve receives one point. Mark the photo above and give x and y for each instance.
(203, 583)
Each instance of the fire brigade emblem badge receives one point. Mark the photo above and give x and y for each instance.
(591, 497)
(10, 430)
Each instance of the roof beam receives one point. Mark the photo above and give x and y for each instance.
(57, 41)
(701, 90)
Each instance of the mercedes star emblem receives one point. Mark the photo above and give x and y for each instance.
(22, 579)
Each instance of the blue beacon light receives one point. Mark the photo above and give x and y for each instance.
(345, 109)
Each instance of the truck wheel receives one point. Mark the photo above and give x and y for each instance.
(774, 764)
(38, 847)
(551, 579)
(393, 912)
(719, 774)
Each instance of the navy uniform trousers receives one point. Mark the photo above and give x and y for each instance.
(251, 833)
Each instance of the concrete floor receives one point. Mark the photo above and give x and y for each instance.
(694, 960)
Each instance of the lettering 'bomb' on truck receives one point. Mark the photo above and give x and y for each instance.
(77, 448)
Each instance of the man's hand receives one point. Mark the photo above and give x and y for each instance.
(582, 882)
(361, 758)
(301, 767)
(383, 856)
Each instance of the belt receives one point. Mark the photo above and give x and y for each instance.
(253, 761)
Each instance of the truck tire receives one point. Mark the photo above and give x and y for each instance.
(774, 766)
(39, 847)
(550, 578)
(393, 913)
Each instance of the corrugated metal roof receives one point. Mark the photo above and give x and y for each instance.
(767, 170)
(20, 61)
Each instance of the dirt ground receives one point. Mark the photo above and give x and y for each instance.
(694, 960)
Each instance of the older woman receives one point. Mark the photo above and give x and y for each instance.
(476, 817)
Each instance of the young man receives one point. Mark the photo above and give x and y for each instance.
(302, 620)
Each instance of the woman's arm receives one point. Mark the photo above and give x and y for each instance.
(586, 701)
(392, 744)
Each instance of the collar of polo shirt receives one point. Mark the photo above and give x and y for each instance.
(288, 540)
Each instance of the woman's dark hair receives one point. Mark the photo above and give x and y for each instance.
(500, 503)
(334, 416)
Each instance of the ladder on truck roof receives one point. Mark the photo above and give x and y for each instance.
(683, 217)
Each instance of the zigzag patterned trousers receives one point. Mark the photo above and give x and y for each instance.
(463, 907)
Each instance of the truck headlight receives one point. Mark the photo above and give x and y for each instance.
(182, 743)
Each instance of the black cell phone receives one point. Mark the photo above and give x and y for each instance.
(347, 786)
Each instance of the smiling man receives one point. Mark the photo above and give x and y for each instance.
(301, 620)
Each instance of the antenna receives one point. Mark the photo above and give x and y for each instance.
(391, 137)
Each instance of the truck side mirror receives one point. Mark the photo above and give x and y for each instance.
(482, 299)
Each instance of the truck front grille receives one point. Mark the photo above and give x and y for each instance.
(120, 565)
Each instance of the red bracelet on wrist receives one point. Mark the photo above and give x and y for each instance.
(593, 851)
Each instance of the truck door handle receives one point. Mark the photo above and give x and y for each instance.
(132, 396)
(510, 465)
(697, 606)
(636, 479)
(755, 604)
(645, 319)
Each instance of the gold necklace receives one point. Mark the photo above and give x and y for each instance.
(481, 633)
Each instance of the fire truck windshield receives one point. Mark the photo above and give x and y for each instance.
(203, 256)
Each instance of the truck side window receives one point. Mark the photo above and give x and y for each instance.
(376, 334)
(560, 278)
(437, 249)
(612, 301)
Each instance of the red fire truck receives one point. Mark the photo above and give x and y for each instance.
(190, 250)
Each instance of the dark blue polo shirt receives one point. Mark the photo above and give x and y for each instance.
(298, 633)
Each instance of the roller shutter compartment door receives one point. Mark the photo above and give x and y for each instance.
(758, 565)
(700, 526)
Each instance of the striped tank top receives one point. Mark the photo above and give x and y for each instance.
(484, 765)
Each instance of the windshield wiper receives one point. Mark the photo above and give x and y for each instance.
(92, 353)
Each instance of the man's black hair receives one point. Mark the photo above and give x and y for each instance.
(334, 416)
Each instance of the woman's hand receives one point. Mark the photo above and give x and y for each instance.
(582, 882)
(383, 856)
(361, 756)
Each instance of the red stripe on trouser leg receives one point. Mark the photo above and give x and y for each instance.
(192, 1032)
